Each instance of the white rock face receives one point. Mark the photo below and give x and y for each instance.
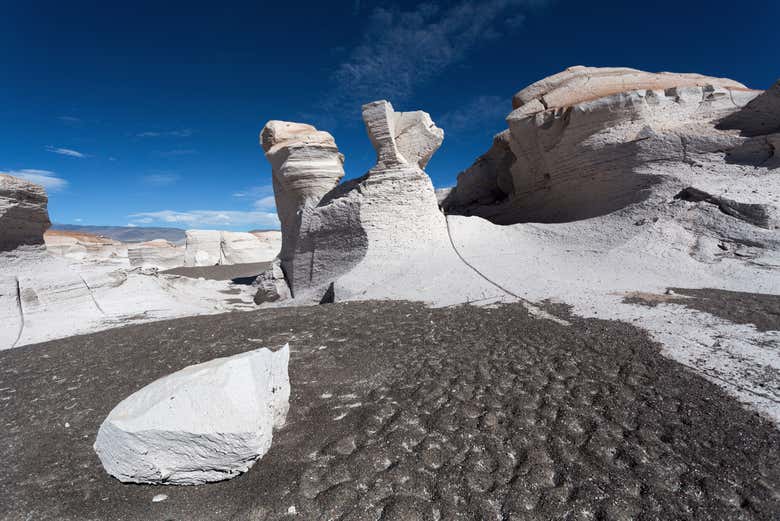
(379, 236)
(243, 248)
(85, 247)
(306, 164)
(203, 248)
(158, 253)
(24, 216)
(206, 422)
(214, 247)
(590, 141)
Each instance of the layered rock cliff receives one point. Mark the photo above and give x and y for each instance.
(590, 141)
(23, 213)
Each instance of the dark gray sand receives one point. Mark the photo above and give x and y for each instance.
(400, 412)
(761, 310)
(241, 272)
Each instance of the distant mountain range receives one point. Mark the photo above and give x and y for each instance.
(127, 233)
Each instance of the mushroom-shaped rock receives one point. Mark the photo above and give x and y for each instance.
(306, 164)
(23, 213)
(206, 422)
(379, 236)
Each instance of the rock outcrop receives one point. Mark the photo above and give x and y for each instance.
(306, 164)
(24, 216)
(214, 247)
(207, 422)
(380, 223)
(590, 141)
(203, 248)
(85, 247)
(158, 253)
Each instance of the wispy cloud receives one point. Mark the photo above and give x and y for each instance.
(263, 196)
(177, 152)
(65, 152)
(480, 113)
(202, 218)
(401, 50)
(267, 203)
(254, 192)
(184, 132)
(161, 179)
(45, 178)
(70, 120)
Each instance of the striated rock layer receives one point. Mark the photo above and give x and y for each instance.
(590, 141)
(24, 216)
(85, 247)
(158, 253)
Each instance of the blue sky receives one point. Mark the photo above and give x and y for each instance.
(147, 113)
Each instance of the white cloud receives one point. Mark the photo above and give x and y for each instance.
(45, 178)
(205, 218)
(70, 120)
(267, 203)
(184, 132)
(178, 152)
(254, 192)
(65, 151)
(401, 50)
(161, 179)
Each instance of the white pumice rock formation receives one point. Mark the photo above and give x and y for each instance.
(214, 247)
(590, 141)
(23, 213)
(613, 181)
(44, 296)
(158, 253)
(379, 236)
(85, 247)
(203, 248)
(206, 422)
(306, 164)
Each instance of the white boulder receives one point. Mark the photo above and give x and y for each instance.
(206, 422)
(203, 248)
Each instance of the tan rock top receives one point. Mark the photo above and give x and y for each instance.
(580, 84)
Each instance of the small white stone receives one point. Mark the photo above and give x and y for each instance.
(159, 497)
(292, 510)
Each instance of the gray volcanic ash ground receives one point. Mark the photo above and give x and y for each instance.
(403, 412)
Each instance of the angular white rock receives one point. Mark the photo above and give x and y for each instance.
(206, 422)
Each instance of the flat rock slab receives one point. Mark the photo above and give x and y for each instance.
(404, 412)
